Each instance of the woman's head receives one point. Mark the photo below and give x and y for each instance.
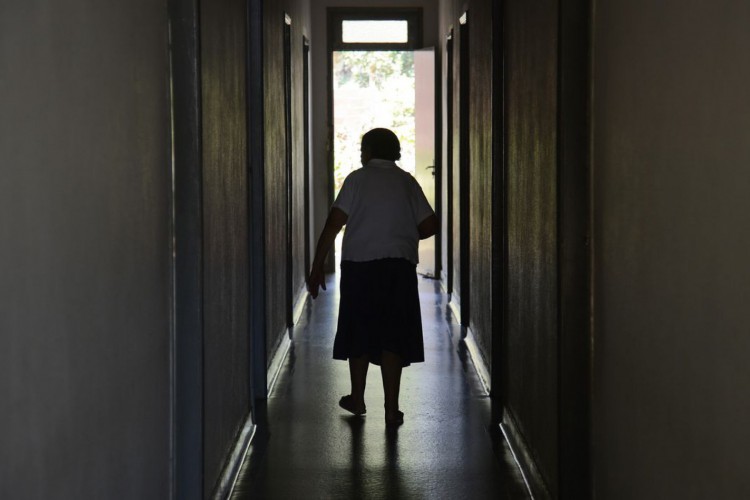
(380, 143)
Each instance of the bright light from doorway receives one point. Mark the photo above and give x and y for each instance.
(374, 31)
(372, 89)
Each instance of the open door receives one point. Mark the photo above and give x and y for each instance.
(424, 111)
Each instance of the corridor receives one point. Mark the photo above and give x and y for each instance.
(307, 447)
(166, 167)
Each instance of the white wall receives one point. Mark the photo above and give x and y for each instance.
(85, 252)
(319, 94)
(671, 137)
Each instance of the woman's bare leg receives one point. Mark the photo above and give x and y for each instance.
(391, 364)
(358, 374)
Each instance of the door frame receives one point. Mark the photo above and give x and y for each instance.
(306, 146)
(574, 252)
(464, 169)
(449, 164)
(186, 343)
(334, 16)
(289, 168)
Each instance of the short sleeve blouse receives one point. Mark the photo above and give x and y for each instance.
(384, 205)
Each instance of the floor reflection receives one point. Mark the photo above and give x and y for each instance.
(306, 447)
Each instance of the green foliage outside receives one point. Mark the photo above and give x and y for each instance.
(371, 89)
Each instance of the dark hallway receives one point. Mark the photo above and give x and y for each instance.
(310, 448)
(166, 167)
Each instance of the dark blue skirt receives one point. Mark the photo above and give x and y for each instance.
(379, 310)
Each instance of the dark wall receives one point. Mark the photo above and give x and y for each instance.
(480, 161)
(225, 231)
(477, 106)
(531, 162)
(85, 258)
(519, 337)
(277, 194)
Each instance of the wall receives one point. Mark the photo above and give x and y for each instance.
(527, 213)
(319, 181)
(671, 177)
(85, 281)
(480, 177)
(226, 371)
(479, 112)
(478, 108)
(276, 195)
(532, 227)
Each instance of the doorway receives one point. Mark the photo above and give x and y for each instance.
(379, 78)
(402, 85)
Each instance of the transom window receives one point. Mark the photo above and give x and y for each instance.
(375, 29)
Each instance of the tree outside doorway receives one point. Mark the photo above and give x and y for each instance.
(372, 89)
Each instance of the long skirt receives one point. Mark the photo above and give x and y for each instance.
(379, 311)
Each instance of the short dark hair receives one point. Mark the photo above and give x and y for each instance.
(382, 143)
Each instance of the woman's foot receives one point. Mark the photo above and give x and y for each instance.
(394, 419)
(348, 403)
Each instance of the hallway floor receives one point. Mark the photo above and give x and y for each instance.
(307, 447)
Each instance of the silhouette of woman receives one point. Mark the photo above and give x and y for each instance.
(386, 214)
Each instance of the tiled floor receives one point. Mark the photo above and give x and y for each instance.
(307, 447)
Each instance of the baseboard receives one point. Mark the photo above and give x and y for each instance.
(526, 465)
(281, 351)
(235, 460)
(244, 440)
(299, 306)
(475, 353)
(455, 307)
(444, 285)
(480, 365)
(277, 360)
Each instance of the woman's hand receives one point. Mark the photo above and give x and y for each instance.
(316, 280)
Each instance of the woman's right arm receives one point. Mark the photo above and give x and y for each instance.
(336, 220)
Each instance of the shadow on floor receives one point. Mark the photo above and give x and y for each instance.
(307, 447)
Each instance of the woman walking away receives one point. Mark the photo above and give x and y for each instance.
(386, 214)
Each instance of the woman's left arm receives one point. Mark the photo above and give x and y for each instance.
(428, 227)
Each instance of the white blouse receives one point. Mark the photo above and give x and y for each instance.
(384, 205)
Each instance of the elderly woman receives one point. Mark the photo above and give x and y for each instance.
(386, 214)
